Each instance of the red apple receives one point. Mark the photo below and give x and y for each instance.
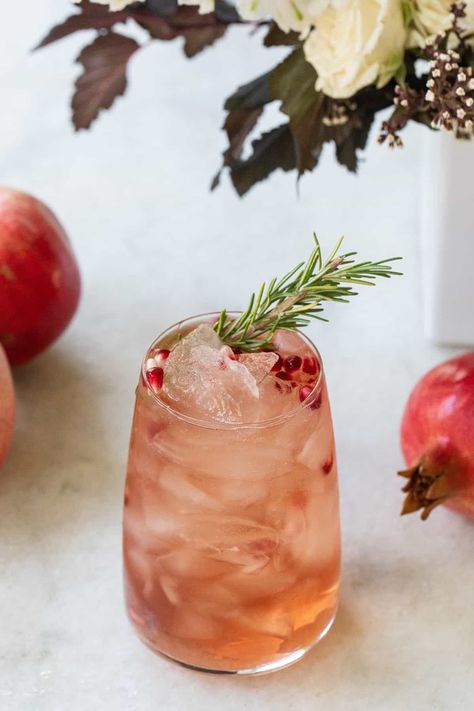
(39, 277)
(7, 406)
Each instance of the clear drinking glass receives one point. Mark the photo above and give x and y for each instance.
(231, 530)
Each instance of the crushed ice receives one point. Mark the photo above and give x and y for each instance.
(204, 377)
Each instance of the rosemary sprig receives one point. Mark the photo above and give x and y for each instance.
(290, 303)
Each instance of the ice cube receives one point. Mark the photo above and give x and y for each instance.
(189, 563)
(268, 617)
(242, 543)
(264, 583)
(204, 381)
(188, 497)
(186, 623)
(203, 335)
(170, 589)
(259, 364)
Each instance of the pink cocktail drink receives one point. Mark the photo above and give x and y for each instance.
(231, 525)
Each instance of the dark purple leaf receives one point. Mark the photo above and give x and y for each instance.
(275, 37)
(104, 77)
(198, 39)
(250, 96)
(238, 125)
(157, 26)
(199, 31)
(274, 149)
(351, 141)
(293, 83)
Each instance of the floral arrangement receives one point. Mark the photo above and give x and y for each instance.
(347, 61)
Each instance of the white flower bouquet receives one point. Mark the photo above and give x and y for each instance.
(347, 60)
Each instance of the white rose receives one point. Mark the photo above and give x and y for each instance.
(433, 17)
(296, 15)
(355, 45)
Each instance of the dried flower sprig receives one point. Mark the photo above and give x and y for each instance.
(447, 98)
(408, 102)
(449, 93)
(290, 302)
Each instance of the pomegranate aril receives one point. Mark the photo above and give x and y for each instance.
(310, 365)
(161, 355)
(277, 365)
(283, 376)
(155, 378)
(292, 363)
(305, 392)
(228, 353)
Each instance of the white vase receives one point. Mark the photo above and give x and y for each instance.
(447, 230)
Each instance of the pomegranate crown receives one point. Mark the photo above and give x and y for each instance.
(290, 302)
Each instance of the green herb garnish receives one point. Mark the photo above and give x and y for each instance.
(290, 303)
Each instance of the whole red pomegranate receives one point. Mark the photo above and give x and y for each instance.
(7, 406)
(39, 277)
(437, 437)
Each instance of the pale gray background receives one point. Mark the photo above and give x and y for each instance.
(155, 246)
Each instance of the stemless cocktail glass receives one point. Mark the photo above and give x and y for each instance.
(231, 529)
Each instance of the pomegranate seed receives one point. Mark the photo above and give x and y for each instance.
(292, 363)
(283, 376)
(327, 466)
(161, 355)
(278, 364)
(305, 391)
(155, 378)
(228, 353)
(310, 365)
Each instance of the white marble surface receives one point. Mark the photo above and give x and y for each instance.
(154, 246)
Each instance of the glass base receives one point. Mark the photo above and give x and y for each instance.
(282, 663)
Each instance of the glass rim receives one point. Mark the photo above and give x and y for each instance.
(217, 424)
